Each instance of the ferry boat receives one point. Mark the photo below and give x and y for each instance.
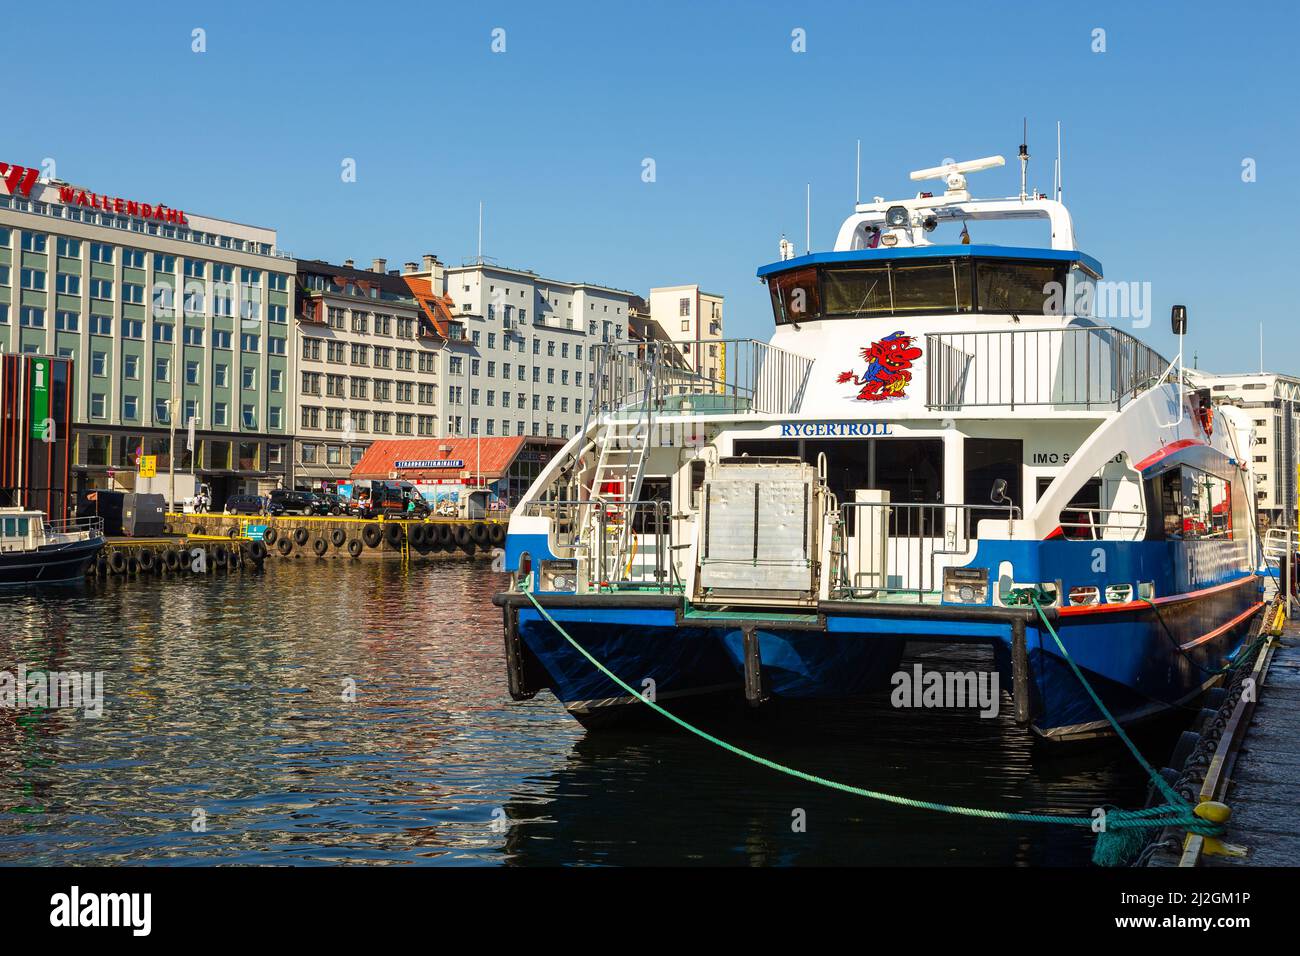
(36, 550)
(934, 431)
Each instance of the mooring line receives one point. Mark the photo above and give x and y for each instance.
(1123, 829)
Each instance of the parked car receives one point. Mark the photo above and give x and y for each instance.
(246, 505)
(288, 502)
(328, 503)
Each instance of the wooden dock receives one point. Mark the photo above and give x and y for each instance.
(1263, 788)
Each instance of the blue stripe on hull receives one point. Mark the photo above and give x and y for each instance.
(812, 664)
(635, 645)
(1137, 668)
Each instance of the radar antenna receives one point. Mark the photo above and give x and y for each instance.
(953, 174)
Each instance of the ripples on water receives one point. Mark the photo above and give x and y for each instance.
(225, 694)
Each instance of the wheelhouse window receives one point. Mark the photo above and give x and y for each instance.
(914, 286)
(1021, 288)
(795, 296)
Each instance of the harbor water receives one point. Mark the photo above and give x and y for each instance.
(328, 712)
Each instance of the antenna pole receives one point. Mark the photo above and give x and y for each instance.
(1024, 161)
(807, 242)
(857, 179)
(1060, 170)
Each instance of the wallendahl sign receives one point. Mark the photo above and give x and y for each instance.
(21, 180)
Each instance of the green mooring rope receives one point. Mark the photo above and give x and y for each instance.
(1125, 830)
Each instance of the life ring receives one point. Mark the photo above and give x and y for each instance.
(497, 534)
(393, 534)
(269, 536)
(285, 546)
(372, 534)
(117, 562)
(147, 560)
(479, 532)
(355, 548)
(257, 551)
(338, 536)
(320, 546)
(301, 536)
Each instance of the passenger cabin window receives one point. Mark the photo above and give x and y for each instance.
(1192, 504)
(907, 287)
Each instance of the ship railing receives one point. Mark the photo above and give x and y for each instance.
(618, 545)
(1277, 541)
(1089, 367)
(85, 528)
(709, 377)
(891, 552)
(1098, 524)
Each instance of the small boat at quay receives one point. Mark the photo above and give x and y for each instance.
(35, 550)
(938, 436)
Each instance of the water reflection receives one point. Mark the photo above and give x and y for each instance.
(226, 704)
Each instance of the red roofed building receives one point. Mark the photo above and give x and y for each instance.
(504, 466)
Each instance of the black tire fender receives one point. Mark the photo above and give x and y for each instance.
(286, 546)
(372, 534)
(355, 547)
(338, 536)
(320, 546)
(269, 536)
(301, 536)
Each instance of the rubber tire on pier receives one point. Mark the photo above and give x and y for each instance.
(148, 560)
(133, 565)
(355, 548)
(232, 532)
(269, 536)
(320, 546)
(101, 566)
(172, 559)
(219, 556)
(338, 536)
(479, 532)
(257, 551)
(117, 562)
(443, 537)
(463, 537)
(286, 547)
(236, 558)
(372, 534)
(198, 529)
(419, 535)
(393, 534)
(301, 536)
(497, 535)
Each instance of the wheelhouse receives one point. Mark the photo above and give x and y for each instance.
(929, 280)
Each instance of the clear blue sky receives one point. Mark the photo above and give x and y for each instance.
(551, 134)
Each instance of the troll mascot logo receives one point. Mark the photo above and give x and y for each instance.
(888, 370)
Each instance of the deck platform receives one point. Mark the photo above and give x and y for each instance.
(1264, 789)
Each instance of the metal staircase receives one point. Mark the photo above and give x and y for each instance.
(624, 444)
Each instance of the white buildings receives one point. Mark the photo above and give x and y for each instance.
(1273, 401)
(523, 366)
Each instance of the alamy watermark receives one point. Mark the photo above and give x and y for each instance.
(74, 690)
(946, 689)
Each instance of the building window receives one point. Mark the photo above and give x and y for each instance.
(162, 369)
(219, 413)
(97, 405)
(130, 407)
